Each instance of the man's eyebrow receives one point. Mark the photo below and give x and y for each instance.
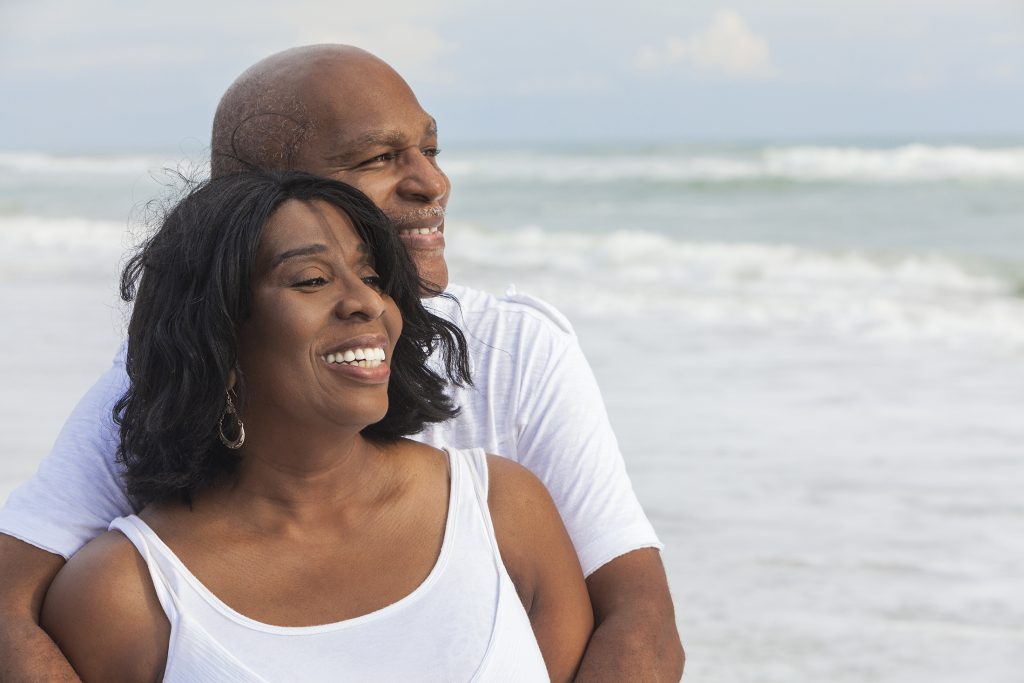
(378, 138)
(358, 145)
(298, 251)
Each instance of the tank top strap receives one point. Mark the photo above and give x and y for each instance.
(474, 463)
(150, 548)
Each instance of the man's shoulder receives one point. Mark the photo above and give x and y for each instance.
(472, 308)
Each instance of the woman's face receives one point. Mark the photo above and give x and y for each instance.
(319, 341)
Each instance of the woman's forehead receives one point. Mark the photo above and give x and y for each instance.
(296, 224)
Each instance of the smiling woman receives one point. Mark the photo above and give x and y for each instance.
(325, 546)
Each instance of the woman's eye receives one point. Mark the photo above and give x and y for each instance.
(374, 281)
(312, 282)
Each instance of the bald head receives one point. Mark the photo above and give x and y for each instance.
(271, 110)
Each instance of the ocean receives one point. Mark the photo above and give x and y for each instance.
(813, 356)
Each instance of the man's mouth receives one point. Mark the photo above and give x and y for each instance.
(418, 231)
(420, 222)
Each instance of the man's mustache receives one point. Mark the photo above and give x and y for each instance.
(417, 214)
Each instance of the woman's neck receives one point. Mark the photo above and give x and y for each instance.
(295, 477)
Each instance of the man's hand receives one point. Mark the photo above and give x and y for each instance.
(635, 638)
(26, 652)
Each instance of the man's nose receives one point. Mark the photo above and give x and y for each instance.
(423, 180)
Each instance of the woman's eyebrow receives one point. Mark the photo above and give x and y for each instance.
(307, 250)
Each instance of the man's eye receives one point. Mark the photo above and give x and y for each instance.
(311, 282)
(431, 151)
(386, 156)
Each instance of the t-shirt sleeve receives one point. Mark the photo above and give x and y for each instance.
(565, 438)
(77, 490)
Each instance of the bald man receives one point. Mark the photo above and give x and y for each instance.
(342, 113)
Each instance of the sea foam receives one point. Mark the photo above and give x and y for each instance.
(906, 163)
(883, 295)
(43, 163)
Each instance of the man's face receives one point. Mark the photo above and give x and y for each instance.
(372, 133)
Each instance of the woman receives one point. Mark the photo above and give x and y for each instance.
(287, 531)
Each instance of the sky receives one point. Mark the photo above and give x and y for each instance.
(94, 75)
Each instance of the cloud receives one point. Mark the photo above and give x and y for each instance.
(726, 47)
(71, 37)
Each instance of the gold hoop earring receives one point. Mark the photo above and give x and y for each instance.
(229, 410)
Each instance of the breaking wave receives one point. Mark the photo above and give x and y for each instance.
(908, 163)
(43, 163)
(631, 274)
(849, 292)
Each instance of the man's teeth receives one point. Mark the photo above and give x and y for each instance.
(418, 231)
(364, 358)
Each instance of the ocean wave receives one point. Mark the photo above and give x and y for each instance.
(849, 292)
(34, 245)
(908, 163)
(635, 275)
(43, 163)
(801, 163)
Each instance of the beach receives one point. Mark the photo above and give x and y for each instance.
(812, 354)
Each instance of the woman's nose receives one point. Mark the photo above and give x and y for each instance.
(360, 300)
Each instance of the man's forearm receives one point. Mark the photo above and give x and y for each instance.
(27, 654)
(635, 638)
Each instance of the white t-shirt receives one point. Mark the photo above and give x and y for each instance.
(534, 400)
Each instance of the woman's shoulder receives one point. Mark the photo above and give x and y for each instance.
(542, 563)
(523, 515)
(103, 612)
(510, 484)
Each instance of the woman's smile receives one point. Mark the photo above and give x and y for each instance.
(362, 358)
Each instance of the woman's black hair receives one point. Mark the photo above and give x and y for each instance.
(191, 284)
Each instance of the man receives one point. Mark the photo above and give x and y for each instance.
(340, 112)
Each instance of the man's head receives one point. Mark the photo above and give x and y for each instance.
(340, 112)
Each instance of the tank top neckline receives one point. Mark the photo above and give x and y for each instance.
(454, 470)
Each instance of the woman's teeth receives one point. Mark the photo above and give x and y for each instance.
(418, 231)
(363, 358)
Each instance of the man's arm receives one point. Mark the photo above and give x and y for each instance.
(26, 652)
(71, 498)
(568, 442)
(635, 637)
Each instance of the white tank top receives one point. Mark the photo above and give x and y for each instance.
(463, 623)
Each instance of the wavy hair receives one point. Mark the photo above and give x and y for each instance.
(191, 285)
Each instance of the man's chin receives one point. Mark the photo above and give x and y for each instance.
(433, 274)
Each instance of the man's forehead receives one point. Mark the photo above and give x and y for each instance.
(391, 136)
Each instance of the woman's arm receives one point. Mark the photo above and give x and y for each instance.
(104, 614)
(540, 558)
